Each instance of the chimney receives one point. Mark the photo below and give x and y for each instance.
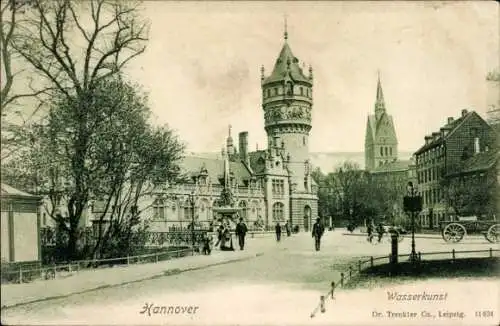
(428, 140)
(243, 146)
(444, 131)
(464, 112)
(476, 145)
(450, 120)
(435, 135)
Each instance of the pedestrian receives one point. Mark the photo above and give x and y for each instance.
(369, 229)
(380, 231)
(288, 229)
(207, 241)
(220, 231)
(241, 231)
(278, 231)
(317, 233)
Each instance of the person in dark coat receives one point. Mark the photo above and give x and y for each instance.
(207, 241)
(370, 229)
(380, 231)
(241, 231)
(278, 231)
(220, 231)
(317, 233)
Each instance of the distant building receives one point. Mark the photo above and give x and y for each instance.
(381, 143)
(442, 154)
(20, 226)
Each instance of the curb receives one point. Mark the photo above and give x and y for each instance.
(168, 272)
(421, 236)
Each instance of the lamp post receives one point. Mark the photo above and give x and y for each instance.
(191, 201)
(412, 204)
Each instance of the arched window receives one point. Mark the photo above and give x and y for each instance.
(275, 91)
(243, 210)
(381, 151)
(289, 88)
(301, 91)
(386, 151)
(390, 151)
(278, 212)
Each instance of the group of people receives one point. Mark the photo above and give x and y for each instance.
(372, 229)
(278, 230)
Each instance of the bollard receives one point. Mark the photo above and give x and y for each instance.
(491, 253)
(20, 275)
(359, 266)
(371, 261)
(453, 255)
(342, 279)
(322, 300)
(333, 289)
(394, 248)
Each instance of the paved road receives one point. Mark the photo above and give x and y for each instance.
(282, 285)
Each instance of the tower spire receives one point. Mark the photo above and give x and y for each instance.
(286, 29)
(379, 101)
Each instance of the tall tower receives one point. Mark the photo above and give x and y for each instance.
(381, 143)
(287, 104)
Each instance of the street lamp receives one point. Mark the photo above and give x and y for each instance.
(191, 201)
(412, 204)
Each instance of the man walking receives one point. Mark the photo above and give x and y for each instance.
(241, 231)
(278, 232)
(287, 229)
(317, 233)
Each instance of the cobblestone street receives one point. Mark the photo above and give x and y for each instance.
(282, 285)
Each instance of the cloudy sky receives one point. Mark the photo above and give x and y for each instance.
(202, 66)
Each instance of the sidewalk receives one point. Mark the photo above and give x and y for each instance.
(89, 280)
(417, 235)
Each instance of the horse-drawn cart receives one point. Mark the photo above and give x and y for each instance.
(455, 231)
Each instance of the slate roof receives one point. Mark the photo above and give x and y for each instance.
(451, 127)
(396, 166)
(192, 165)
(280, 70)
(479, 162)
(9, 191)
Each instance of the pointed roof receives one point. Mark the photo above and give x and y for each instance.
(287, 65)
(379, 102)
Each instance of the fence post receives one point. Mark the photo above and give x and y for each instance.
(371, 261)
(453, 255)
(322, 300)
(359, 266)
(333, 288)
(20, 275)
(342, 279)
(491, 253)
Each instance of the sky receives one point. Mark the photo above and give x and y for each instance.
(202, 66)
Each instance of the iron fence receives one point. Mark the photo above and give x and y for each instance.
(360, 265)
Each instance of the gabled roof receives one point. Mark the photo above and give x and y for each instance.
(374, 125)
(452, 127)
(286, 59)
(9, 191)
(254, 161)
(192, 165)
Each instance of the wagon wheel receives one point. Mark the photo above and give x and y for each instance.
(454, 232)
(492, 234)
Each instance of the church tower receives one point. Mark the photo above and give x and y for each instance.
(287, 104)
(381, 143)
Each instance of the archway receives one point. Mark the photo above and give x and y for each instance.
(307, 217)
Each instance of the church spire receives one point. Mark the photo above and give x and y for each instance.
(286, 29)
(379, 102)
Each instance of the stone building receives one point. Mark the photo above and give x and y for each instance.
(268, 185)
(442, 154)
(381, 142)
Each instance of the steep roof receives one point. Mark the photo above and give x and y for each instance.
(374, 125)
(192, 165)
(395, 166)
(254, 161)
(452, 127)
(286, 64)
(479, 162)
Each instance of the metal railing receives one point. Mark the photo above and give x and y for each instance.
(358, 267)
(24, 275)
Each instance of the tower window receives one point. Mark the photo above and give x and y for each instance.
(301, 91)
(275, 91)
(390, 151)
(268, 93)
(381, 151)
(386, 152)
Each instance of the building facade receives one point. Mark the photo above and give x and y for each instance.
(268, 186)
(443, 154)
(381, 142)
